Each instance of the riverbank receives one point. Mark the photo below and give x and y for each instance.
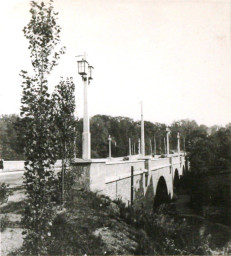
(92, 224)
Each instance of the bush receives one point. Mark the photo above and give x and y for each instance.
(4, 223)
(4, 193)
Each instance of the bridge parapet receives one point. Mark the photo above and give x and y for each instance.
(159, 163)
(114, 177)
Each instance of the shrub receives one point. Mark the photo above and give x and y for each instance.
(4, 223)
(4, 193)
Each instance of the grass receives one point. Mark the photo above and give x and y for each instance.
(4, 223)
(91, 226)
(13, 207)
(94, 225)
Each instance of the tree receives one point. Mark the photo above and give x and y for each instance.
(10, 139)
(64, 100)
(38, 112)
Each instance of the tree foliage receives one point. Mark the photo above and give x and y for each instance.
(64, 100)
(11, 138)
(39, 114)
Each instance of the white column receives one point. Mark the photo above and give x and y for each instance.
(165, 148)
(150, 147)
(154, 145)
(109, 140)
(167, 139)
(142, 132)
(139, 151)
(130, 149)
(86, 139)
(178, 143)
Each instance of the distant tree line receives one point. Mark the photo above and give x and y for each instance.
(208, 148)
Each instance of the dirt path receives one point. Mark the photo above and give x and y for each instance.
(10, 217)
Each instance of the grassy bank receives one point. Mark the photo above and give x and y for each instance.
(94, 225)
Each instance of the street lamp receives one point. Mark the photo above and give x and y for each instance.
(85, 70)
(178, 143)
(82, 67)
(142, 131)
(109, 145)
(167, 139)
(90, 70)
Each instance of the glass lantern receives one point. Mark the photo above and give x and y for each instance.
(82, 67)
(90, 68)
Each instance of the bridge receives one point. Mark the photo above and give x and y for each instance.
(138, 181)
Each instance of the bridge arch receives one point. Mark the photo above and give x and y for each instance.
(183, 170)
(176, 181)
(161, 195)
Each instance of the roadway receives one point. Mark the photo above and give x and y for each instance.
(12, 178)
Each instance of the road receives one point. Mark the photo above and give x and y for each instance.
(13, 178)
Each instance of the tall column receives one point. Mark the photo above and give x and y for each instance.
(130, 147)
(154, 145)
(165, 148)
(178, 143)
(150, 147)
(86, 139)
(139, 151)
(167, 140)
(142, 132)
(109, 145)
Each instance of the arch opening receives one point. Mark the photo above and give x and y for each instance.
(183, 172)
(161, 196)
(176, 182)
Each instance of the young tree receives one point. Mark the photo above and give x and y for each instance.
(38, 109)
(64, 100)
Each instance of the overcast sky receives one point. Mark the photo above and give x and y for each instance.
(175, 56)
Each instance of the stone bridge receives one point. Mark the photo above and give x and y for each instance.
(140, 181)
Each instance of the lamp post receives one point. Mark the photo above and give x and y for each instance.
(142, 131)
(165, 148)
(109, 145)
(130, 147)
(167, 139)
(154, 145)
(178, 143)
(85, 70)
(150, 147)
(139, 146)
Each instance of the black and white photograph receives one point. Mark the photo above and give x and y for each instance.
(115, 127)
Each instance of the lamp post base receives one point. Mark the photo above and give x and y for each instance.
(86, 145)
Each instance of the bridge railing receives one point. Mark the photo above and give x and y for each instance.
(159, 163)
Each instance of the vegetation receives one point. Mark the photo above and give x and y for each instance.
(208, 148)
(4, 193)
(48, 127)
(94, 225)
(11, 138)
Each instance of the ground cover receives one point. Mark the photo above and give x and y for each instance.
(10, 221)
(94, 225)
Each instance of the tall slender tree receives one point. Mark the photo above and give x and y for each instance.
(64, 100)
(42, 144)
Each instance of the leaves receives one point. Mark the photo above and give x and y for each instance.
(43, 125)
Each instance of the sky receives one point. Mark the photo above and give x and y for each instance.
(174, 56)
